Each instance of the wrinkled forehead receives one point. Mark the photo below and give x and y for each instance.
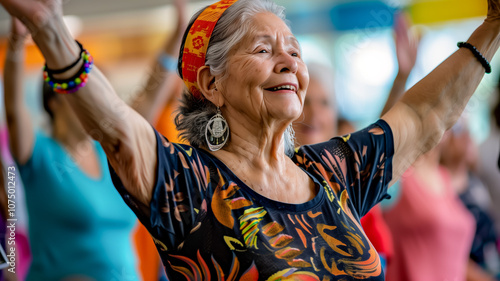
(267, 22)
(267, 27)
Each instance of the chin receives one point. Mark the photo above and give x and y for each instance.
(288, 106)
(292, 112)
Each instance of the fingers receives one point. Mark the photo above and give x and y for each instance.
(493, 10)
(406, 44)
(402, 28)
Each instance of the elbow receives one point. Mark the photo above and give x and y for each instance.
(433, 129)
(431, 122)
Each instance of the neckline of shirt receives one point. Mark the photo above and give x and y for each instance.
(264, 201)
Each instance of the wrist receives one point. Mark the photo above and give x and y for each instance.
(17, 39)
(486, 38)
(56, 43)
(491, 25)
(16, 44)
(402, 76)
(15, 50)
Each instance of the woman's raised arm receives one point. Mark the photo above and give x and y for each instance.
(127, 138)
(21, 135)
(162, 85)
(433, 105)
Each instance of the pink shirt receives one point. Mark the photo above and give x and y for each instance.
(432, 233)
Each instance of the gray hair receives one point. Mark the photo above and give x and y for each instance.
(194, 114)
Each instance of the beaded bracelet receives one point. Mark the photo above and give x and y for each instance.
(59, 71)
(477, 54)
(73, 84)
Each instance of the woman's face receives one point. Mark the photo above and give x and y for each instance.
(318, 121)
(266, 79)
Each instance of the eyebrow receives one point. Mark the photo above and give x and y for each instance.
(290, 38)
(294, 40)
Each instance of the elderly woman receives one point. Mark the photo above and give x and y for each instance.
(241, 203)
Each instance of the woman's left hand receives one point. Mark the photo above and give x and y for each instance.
(493, 10)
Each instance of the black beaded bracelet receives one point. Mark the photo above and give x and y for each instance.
(477, 54)
(59, 71)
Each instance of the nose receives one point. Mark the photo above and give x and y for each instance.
(286, 63)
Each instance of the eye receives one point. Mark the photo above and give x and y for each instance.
(294, 54)
(263, 51)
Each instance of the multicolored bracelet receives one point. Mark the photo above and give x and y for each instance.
(73, 84)
(484, 62)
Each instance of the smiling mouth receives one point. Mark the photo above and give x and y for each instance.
(283, 88)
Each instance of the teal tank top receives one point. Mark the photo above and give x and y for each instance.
(79, 227)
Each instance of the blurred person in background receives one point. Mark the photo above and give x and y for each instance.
(432, 231)
(79, 227)
(488, 168)
(459, 156)
(208, 222)
(318, 122)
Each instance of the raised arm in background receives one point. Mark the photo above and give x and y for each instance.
(433, 105)
(161, 87)
(21, 134)
(406, 53)
(126, 137)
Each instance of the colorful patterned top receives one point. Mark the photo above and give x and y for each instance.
(209, 225)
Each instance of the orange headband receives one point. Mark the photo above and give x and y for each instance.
(196, 45)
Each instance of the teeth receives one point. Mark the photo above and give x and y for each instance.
(285, 87)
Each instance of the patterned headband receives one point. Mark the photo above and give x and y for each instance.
(196, 45)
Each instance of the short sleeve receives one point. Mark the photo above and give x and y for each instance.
(177, 195)
(373, 150)
(39, 156)
(360, 163)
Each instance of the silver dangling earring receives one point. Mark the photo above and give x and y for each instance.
(217, 132)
